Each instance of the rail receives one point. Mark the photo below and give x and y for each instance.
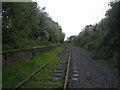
(67, 72)
(21, 83)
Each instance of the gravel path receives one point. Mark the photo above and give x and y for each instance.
(88, 73)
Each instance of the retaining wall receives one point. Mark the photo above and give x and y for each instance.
(13, 57)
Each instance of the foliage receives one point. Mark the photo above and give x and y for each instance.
(25, 24)
(71, 39)
(103, 38)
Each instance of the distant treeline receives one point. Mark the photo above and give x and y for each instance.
(26, 25)
(103, 38)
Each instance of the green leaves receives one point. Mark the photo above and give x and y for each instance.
(24, 22)
(104, 37)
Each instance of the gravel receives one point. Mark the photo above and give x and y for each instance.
(59, 72)
(87, 73)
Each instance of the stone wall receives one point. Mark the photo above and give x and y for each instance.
(10, 58)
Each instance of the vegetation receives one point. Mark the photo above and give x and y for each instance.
(103, 38)
(26, 25)
(44, 78)
(15, 74)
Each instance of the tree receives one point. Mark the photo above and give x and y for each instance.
(104, 37)
(25, 25)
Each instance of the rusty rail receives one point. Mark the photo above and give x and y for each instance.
(67, 72)
(21, 83)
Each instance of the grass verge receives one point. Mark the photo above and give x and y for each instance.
(15, 74)
(44, 78)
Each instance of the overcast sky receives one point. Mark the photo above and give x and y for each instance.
(74, 15)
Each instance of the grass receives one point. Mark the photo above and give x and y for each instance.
(15, 74)
(30, 48)
(27, 44)
(44, 78)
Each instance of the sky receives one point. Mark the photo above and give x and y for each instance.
(74, 15)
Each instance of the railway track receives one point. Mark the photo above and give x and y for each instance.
(41, 67)
(67, 70)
